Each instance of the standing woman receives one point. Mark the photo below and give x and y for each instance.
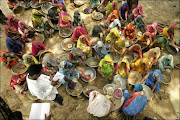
(37, 18)
(166, 62)
(77, 33)
(97, 32)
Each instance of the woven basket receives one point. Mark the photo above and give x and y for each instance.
(86, 88)
(76, 91)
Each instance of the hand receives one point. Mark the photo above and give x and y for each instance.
(48, 117)
(51, 77)
(71, 73)
(54, 83)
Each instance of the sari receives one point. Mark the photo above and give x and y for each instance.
(64, 19)
(12, 22)
(121, 70)
(164, 63)
(112, 6)
(13, 45)
(47, 27)
(84, 46)
(168, 32)
(152, 78)
(78, 32)
(100, 49)
(138, 11)
(97, 31)
(37, 18)
(132, 4)
(106, 68)
(124, 8)
(153, 29)
(115, 24)
(56, 2)
(112, 16)
(76, 20)
(4, 60)
(136, 48)
(22, 30)
(36, 47)
(160, 42)
(119, 45)
(29, 60)
(134, 103)
(145, 41)
(129, 31)
(10, 31)
(139, 23)
(113, 36)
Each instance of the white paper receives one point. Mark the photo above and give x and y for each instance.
(58, 76)
(38, 111)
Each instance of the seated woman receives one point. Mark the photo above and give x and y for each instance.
(123, 11)
(153, 55)
(84, 45)
(69, 71)
(29, 60)
(129, 32)
(105, 2)
(13, 3)
(8, 59)
(77, 33)
(57, 2)
(37, 18)
(18, 83)
(169, 32)
(118, 47)
(64, 20)
(92, 6)
(11, 31)
(153, 29)
(153, 80)
(138, 11)
(112, 16)
(115, 24)
(97, 32)
(48, 30)
(12, 22)
(99, 50)
(99, 105)
(36, 47)
(134, 103)
(160, 42)
(139, 23)
(141, 66)
(111, 7)
(123, 68)
(77, 20)
(166, 62)
(106, 67)
(145, 40)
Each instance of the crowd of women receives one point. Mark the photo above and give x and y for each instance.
(146, 49)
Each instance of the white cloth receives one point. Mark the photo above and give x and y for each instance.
(42, 88)
(58, 76)
(98, 106)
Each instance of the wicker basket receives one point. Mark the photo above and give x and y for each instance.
(86, 88)
(92, 62)
(89, 71)
(16, 70)
(97, 16)
(65, 32)
(76, 91)
(65, 44)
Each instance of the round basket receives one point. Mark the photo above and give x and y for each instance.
(67, 44)
(89, 71)
(134, 77)
(107, 86)
(16, 70)
(117, 103)
(26, 5)
(76, 91)
(172, 50)
(92, 62)
(38, 37)
(116, 58)
(19, 10)
(119, 81)
(79, 2)
(31, 96)
(147, 91)
(97, 16)
(87, 88)
(101, 9)
(166, 77)
(45, 53)
(46, 7)
(63, 57)
(35, 5)
(65, 32)
(129, 58)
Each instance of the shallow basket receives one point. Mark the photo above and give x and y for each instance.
(116, 58)
(89, 71)
(31, 96)
(65, 32)
(137, 81)
(166, 77)
(147, 91)
(65, 43)
(117, 103)
(89, 87)
(45, 53)
(172, 50)
(76, 91)
(15, 70)
(46, 7)
(19, 10)
(35, 5)
(62, 57)
(101, 9)
(79, 2)
(97, 16)
(107, 86)
(90, 60)
(119, 81)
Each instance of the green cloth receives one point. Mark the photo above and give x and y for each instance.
(110, 7)
(37, 17)
(164, 63)
(162, 44)
(106, 69)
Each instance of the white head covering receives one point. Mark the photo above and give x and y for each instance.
(99, 43)
(62, 64)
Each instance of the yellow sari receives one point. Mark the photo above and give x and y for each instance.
(121, 70)
(113, 36)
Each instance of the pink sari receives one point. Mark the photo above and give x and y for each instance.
(138, 11)
(13, 23)
(22, 30)
(153, 29)
(65, 19)
(78, 32)
(36, 47)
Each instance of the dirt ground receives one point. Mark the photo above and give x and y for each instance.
(165, 11)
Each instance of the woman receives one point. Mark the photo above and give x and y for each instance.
(166, 62)
(129, 32)
(138, 11)
(12, 22)
(93, 5)
(139, 23)
(99, 105)
(99, 50)
(141, 66)
(118, 47)
(169, 32)
(112, 16)
(76, 57)
(36, 47)
(76, 20)
(23, 29)
(111, 7)
(153, 80)
(48, 30)
(69, 71)
(8, 59)
(132, 4)
(77, 33)
(123, 11)
(160, 42)
(146, 40)
(123, 68)
(14, 45)
(57, 2)
(97, 32)
(106, 67)
(134, 103)
(153, 29)
(13, 3)
(11, 31)
(29, 60)
(153, 55)
(105, 2)
(37, 18)
(115, 24)
(64, 20)
(84, 45)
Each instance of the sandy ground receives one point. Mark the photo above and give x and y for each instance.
(166, 11)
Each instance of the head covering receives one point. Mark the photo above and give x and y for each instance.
(99, 44)
(108, 58)
(117, 94)
(138, 87)
(62, 64)
(76, 13)
(101, 51)
(13, 23)
(26, 56)
(173, 26)
(22, 22)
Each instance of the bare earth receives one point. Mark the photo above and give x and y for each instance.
(166, 11)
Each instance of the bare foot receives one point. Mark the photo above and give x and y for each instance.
(65, 104)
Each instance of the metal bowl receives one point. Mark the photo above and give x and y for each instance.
(65, 32)
(97, 16)
(91, 72)
(26, 5)
(63, 57)
(89, 87)
(166, 77)
(35, 5)
(131, 77)
(76, 91)
(93, 60)
(101, 9)
(19, 10)
(117, 103)
(46, 7)
(129, 58)
(107, 86)
(16, 70)
(79, 2)
(45, 53)
(65, 43)
(116, 58)
(147, 91)
(172, 50)
(119, 81)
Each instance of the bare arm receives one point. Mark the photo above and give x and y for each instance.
(154, 86)
(145, 77)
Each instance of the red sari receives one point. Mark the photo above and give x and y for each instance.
(36, 47)
(77, 33)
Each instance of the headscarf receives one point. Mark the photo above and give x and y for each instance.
(115, 5)
(155, 75)
(65, 17)
(36, 47)
(25, 25)
(121, 70)
(25, 57)
(138, 87)
(77, 20)
(13, 24)
(138, 11)
(36, 13)
(102, 50)
(98, 29)
(163, 62)
(107, 58)
(78, 32)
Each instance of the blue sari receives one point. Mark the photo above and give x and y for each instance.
(124, 8)
(13, 45)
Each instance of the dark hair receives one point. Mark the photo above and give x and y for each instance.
(34, 69)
